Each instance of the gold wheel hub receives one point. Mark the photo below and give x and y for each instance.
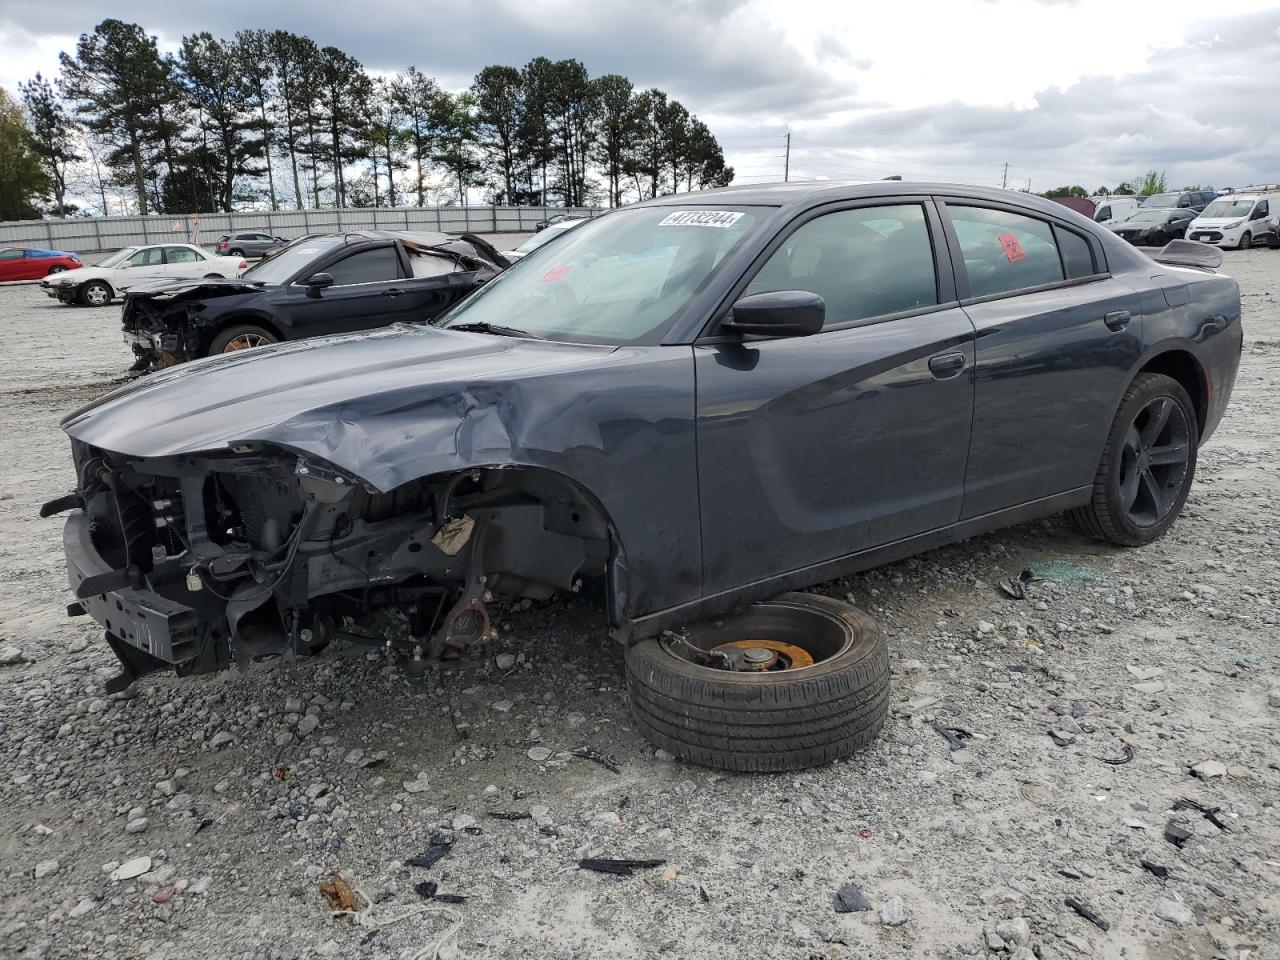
(246, 341)
(768, 654)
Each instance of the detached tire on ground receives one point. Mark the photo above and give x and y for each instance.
(243, 336)
(818, 692)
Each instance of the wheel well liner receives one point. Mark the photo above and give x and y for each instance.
(1183, 367)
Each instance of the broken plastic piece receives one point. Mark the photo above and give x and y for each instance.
(434, 853)
(955, 736)
(1209, 813)
(608, 762)
(510, 815)
(1155, 869)
(850, 899)
(1088, 913)
(453, 536)
(1176, 833)
(621, 868)
(1126, 755)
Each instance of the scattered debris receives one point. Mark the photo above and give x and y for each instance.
(1155, 869)
(607, 761)
(510, 814)
(1016, 587)
(1126, 755)
(1087, 913)
(1176, 833)
(1144, 673)
(429, 890)
(435, 852)
(539, 754)
(622, 868)
(850, 899)
(165, 894)
(1209, 813)
(955, 736)
(1066, 571)
(338, 893)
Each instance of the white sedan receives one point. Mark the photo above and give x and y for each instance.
(96, 286)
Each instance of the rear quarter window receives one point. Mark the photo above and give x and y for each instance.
(1077, 255)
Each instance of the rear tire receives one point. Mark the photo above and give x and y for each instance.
(235, 253)
(56, 269)
(773, 720)
(244, 336)
(1147, 465)
(96, 293)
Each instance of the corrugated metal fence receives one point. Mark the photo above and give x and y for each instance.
(95, 234)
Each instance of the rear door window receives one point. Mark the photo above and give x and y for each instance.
(1004, 251)
(867, 262)
(367, 266)
(180, 255)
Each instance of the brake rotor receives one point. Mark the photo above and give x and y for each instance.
(768, 654)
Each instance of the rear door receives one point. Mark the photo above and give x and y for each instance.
(185, 262)
(1056, 339)
(813, 448)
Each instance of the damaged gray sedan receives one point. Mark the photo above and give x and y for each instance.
(685, 407)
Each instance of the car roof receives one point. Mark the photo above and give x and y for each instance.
(804, 194)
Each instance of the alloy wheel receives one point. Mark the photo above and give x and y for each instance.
(1154, 461)
(246, 341)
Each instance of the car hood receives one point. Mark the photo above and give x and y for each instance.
(348, 399)
(193, 288)
(1215, 221)
(78, 275)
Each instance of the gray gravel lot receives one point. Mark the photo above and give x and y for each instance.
(243, 790)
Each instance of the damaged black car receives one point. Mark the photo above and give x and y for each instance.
(316, 286)
(686, 408)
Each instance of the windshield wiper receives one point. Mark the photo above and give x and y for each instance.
(481, 326)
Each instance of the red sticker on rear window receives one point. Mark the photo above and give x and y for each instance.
(1012, 248)
(555, 273)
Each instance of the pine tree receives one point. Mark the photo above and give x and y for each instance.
(500, 107)
(23, 179)
(51, 131)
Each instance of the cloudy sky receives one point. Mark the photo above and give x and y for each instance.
(1063, 91)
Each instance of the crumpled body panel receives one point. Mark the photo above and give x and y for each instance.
(407, 402)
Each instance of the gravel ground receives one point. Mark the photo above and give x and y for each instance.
(232, 796)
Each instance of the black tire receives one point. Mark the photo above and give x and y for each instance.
(1246, 241)
(1107, 517)
(235, 253)
(225, 341)
(766, 721)
(96, 293)
(56, 269)
(213, 276)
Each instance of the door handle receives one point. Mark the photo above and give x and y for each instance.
(946, 365)
(1116, 320)
(392, 292)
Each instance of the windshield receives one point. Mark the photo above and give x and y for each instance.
(118, 257)
(1149, 216)
(281, 266)
(623, 278)
(1228, 208)
(538, 239)
(1161, 200)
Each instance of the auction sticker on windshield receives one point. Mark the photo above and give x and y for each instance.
(724, 219)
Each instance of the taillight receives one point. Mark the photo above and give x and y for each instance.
(244, 264)
(222, 244)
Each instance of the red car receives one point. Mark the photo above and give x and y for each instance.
(19, 263)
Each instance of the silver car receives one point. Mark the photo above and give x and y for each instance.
(249, 243)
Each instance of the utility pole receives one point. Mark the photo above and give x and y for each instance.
(1004, 180)
(786, 163)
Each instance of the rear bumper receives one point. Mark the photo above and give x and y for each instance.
(141, 618)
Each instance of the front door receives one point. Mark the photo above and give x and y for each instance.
(813, 448)
(368, 291)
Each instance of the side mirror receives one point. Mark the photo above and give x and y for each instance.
(317, 282)
(782, 313)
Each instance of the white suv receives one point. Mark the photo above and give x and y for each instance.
(1235, 221)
